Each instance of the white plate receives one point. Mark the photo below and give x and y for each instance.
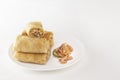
(53, 63)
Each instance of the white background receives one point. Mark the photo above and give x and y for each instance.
(95, 22)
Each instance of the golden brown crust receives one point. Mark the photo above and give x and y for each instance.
(39, 58)
(31, 45)
(35, 24)
(49, 36)
(24, 33)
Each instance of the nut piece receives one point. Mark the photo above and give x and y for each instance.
(65, 59)
(36, 32)
(63, 52)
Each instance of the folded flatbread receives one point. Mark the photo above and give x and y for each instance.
(47, 36)
(31, 45)
(35, 29)
(39, 58)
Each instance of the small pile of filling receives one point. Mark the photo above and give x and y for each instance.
(63, 52)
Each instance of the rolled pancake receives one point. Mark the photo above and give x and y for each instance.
(49, 36)
(35, 29)
(39, 58)
(31, 45)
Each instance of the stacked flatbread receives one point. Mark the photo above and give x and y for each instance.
(34, 44)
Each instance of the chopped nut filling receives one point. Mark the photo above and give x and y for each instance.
(63, 52)
(36, 33)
